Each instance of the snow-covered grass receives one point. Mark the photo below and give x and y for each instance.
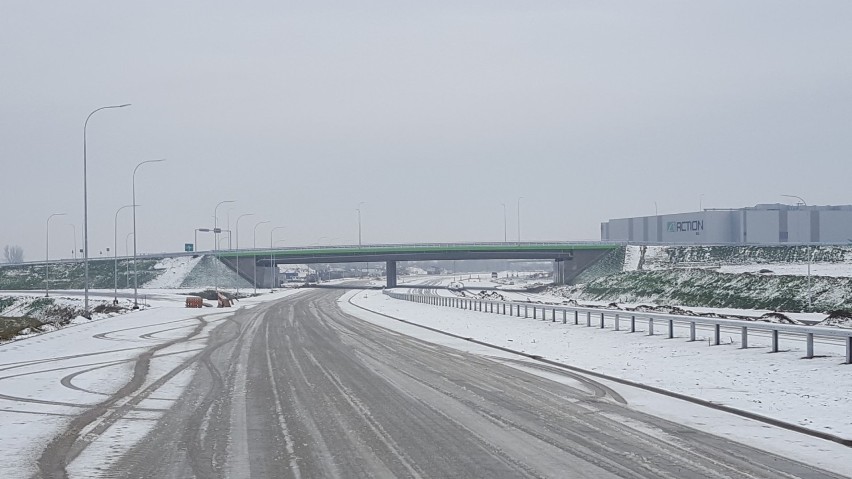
(812, 393)
(833, 261)
(176, 271)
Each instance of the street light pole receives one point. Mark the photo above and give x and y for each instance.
(358, 209)
(254, 246)
(216, 240)
(505, 238)
(126, 254)
(203, 230)
(519, 219)
(86, 206)
(47, 256)
(271, 257)
(74, 253)
(133, 205)
(238, 244)
(810, 254)
(115, 253)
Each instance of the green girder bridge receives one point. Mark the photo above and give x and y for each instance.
(570, 258)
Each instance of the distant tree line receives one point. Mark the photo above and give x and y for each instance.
(13, 254)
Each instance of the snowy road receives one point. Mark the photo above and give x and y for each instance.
(298, 388)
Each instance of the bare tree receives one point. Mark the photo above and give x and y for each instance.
(13, 254)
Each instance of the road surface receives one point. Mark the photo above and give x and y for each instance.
(297, 388)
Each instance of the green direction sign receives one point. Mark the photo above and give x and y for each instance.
(188, 247)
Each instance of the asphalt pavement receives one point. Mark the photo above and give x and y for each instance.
(297, 388)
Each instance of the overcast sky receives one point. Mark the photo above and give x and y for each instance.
(432, 113)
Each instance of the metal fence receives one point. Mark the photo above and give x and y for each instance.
(627, 320)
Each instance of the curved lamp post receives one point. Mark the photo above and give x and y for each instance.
(272, 258)
(126, 254)
(519, 219)
(505, 237)
(47, 256)
(135, 271)
(115, 252)
(358, 209)
(238, 244)
(216, 240)
(74, 253)
(254, 244)
(810, 253)
(86, 206)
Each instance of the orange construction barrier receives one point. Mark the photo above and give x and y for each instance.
(194, 302)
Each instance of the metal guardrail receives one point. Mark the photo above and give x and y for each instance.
(630, 318)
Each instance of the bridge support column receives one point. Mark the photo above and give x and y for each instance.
(559, 273)
(390, 269)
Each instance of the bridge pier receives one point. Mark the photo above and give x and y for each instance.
(560, 272)
(390, 270)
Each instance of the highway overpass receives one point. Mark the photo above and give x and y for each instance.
(570, 258)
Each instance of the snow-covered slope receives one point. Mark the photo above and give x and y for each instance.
(175, 271)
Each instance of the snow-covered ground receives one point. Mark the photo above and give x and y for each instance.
(811, 393)
(656, 258)
(836, 270)
(176, 271)
(47, 379)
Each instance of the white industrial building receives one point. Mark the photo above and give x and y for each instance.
(761, 224)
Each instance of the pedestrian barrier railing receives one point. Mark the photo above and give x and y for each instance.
(627, 320)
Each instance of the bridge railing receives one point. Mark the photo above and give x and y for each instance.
(627, 320)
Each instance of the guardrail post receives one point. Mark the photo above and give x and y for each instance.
(650, 326)
(602, 320)
(774, 340)
(633, 323)
(617, 327)
(810, 346)
(849, 350)
(576, 317)
(554, 316)
(588, 319)
(744, 338)
(564, 316)
(526, 311)
(534, 313)
(692, 331)
(671, 328)
(717, 330)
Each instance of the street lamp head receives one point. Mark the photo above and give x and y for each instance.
(798, 198)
